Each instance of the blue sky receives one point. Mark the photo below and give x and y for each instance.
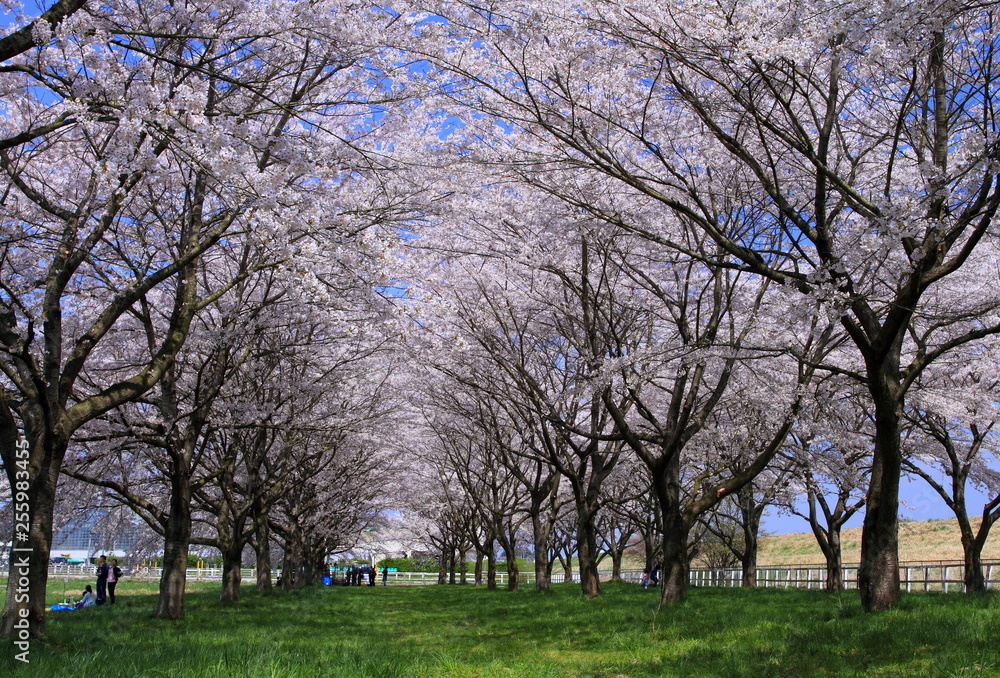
(918, 502)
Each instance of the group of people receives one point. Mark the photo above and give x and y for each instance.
(108, 576)
(650, 578)
(356, 576)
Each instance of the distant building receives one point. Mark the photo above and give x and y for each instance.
(84, 539)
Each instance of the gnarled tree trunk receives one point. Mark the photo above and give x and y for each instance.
(586, 548)
(262, 548)
(176, 542)
(28, 569)
(878, 571)
(232, 560)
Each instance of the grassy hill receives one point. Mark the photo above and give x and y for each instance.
(918, 541)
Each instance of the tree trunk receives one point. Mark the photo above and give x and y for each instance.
(263, 550)
(878, 571)
(751, 528)
(491, 569)
(28, 570)
(512, 570)
(303, 566)
(513, 574)
(616, 564)
(479, 568)
(443, 567)
(463, 565)
(972, 549)
(176, 541)
(676, 566)
(288, 573)
(749, 565)
(540, 529)
(649, 546)
(232, 560)
(834, 566)
(320, 568)
(586, 550)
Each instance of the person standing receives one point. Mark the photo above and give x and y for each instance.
(102, 579)
(114, 574)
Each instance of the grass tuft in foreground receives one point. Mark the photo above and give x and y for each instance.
(462, 631)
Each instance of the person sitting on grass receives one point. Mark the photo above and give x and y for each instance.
(88, 598)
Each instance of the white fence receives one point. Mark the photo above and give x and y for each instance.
(945, 577)
(193, 574)
(246, 574)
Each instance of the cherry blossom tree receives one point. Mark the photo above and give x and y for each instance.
(953, 418)
(831, 449)
(744, 510)
(562, 541)
(333, 499)
(27, 37)
(618, 522)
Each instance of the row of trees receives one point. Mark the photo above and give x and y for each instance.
(526, 427)
(642, 253)
(740, 201)
(196, 224)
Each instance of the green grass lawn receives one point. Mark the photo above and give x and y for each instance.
(438, 631)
